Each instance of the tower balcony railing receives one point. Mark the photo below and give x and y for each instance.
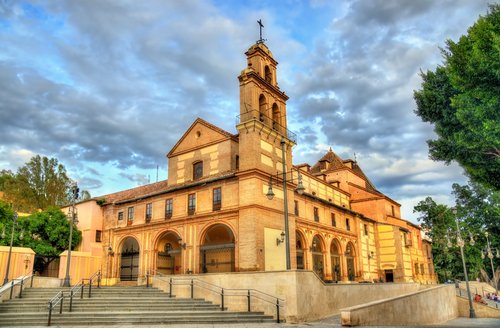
(267, 121)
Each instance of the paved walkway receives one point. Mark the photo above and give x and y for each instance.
(328, 322)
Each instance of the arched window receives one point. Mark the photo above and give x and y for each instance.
(268, 76)
(335, 260)
(197, 170)
(276, 117)
(262, 108)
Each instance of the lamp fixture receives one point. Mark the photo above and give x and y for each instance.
(300, 186)
(280, 240)
(181, 244)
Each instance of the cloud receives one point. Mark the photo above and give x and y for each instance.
(108, 87)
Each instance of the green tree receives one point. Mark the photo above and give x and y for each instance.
(47, 232)
(477, 210)
(40, 183)
(5, 175)
(462, 99)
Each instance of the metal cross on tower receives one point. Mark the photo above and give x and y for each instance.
(261, 40)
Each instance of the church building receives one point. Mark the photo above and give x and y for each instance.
(235, 202)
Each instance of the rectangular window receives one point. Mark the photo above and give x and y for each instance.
(169, 208)
(316, 214)
(334, 221)
(392, 210)
(296, 207)
(407, 239)
(130, 215)
(197, 170)
(191, 204)
(365, 229)
(149, 212)
(347, 225)
(217, 199)
(422, 268)
(98, 236)
(120, 216)
(416, 268)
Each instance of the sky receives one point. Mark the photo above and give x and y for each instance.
(108, 87)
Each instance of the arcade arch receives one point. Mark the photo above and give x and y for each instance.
(217, 250)
(169, 257)
(129, 259)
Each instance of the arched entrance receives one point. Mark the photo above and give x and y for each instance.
(350, 255)
(299, 249)
(317, 256)
(129, 259)
(217, 250)
(335, 259)
(169, 259)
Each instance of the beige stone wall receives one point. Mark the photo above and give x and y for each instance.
(306, 297)
(428, 306)
(481, 311)
(82, 265)
(21, 261)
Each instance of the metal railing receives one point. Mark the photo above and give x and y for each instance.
(14, 282)
(267, 121)
(224, 293)
(78, 288)
(487, 302)
(59, 298)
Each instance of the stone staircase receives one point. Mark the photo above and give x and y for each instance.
(117, 306)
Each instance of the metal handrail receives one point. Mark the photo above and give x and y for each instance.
(77, 288)
(223, 292)
(59, 298)
(92, 277)
(15, 282)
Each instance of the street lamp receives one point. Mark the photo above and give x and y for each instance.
(14, 222)
(488, 252)
(461, 243)
(270, 195)
(72, 215)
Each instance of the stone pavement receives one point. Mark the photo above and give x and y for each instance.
(328, 322)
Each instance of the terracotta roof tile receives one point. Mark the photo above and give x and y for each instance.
(135, 192)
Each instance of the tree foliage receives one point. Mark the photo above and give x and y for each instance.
(477, 211)
(462, 99)
(40, 183)
(46, 232)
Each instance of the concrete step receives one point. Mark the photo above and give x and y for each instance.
(138, 318)
(122, 305)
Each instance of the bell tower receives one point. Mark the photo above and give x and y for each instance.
(262, 122)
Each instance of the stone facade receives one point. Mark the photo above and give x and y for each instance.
(213, 214)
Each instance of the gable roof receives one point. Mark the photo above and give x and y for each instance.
(218, 134)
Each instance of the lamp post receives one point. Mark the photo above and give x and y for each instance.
(67, 279)
(488, 252)
(270, 195)
(14, 222)
(461, 243)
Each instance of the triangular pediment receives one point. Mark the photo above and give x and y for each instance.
(200, 134)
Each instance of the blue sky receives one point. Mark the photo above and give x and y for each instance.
(108, 87)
